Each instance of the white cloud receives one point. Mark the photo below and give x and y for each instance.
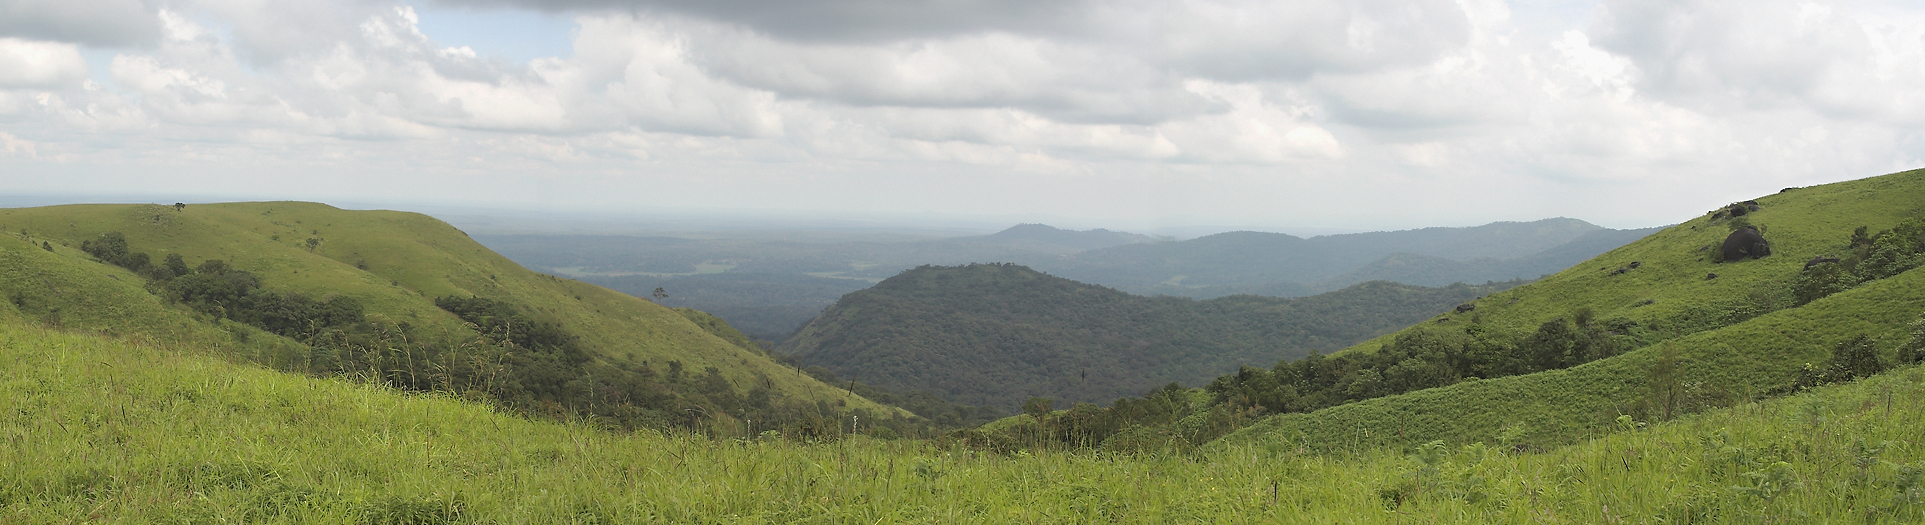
(1724, 55)
(91, 22)
(31, 64)
(1262, 110)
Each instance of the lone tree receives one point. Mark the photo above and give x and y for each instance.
(660, 294)
(178, 206)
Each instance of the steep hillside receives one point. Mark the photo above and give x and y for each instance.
(393, 266)
(1727, 331)
(997, 334)
(1266, 263)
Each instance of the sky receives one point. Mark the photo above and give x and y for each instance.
(1341, 115)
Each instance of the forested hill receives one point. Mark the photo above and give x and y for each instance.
(997, 334)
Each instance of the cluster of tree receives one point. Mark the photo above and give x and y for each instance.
(111, 248)
(1867, 257)
(1168, 420)
(1416, 360)
(1856, 358)
(1176, 419)
(539, 367)
(510, 359)
(997, 334)
(943, 413)
(216, 289)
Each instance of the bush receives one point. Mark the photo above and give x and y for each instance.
(1914, 350)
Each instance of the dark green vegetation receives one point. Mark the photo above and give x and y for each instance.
(997, 334)
(407, 301)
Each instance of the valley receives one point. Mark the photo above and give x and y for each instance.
(384, 367)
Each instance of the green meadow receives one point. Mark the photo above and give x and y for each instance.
(103, 430)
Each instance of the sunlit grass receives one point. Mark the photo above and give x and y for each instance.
(108, 431)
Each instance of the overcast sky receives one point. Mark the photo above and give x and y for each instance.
(1345, 114)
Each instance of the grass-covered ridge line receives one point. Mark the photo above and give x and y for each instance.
(103, 430)
(1739, 334)
(394, 264)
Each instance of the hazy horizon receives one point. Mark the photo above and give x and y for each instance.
(1312, 117)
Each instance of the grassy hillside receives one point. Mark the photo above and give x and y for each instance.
(394, 264)
(106, 431)
(1735, 335)
(997, 334)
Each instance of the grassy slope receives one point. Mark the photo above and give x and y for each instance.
(1800, 224)
(101, 430)
(1741, 359)
(410, 259)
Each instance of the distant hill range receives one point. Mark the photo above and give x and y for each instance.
(997, 334)
(769, 285)
(1046, 238)
(1284, 265)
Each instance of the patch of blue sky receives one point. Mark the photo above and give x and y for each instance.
(514, 35)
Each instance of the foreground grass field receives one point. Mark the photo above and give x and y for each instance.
(97, 429)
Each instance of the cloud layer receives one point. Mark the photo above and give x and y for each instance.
(1320, 113)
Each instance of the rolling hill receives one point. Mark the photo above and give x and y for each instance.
(997, 334)
(551, 346)
(1733, 330)
(121, 412)
(106, 430)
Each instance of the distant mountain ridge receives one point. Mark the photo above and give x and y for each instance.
(1069, 240)
(1259, 262)
(996, 334)
(1431, 270)
(769, 287)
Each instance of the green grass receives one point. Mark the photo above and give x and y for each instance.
(1557, 406)
(110, 431)
(1801, 224)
